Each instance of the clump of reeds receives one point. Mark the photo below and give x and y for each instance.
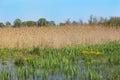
(25, 37)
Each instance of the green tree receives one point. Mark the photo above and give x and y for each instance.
(8, 24)
(17, 23)
(30, 23)
(42, 22)
(114, 21)
(51, 23)
(24, 23)
(1, 24)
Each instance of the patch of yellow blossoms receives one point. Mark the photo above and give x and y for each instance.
(92, 52)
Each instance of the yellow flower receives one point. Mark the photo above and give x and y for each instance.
(27, 59)
(98, 53)
(85, 52)
(92, 52)
(88, 62)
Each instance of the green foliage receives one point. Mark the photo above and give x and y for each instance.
(19, 61)
(42, 22)
(8, 24)
(24, 23)
(114, 21)
(35, 51)
(51, 23)
(93, 20)
(17, 23)
(1, 24)
(28, 23)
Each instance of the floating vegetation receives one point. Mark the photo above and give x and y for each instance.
(94, 62)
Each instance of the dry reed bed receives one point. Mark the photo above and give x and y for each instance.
(56, 36)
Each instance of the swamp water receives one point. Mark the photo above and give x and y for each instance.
(80, 71)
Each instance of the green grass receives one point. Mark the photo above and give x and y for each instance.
(92, 62)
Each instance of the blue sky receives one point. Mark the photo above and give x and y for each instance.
(57, 10)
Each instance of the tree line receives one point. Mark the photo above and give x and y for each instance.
(112, 21)
(19, 23)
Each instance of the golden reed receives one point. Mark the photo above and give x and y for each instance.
(25, 37)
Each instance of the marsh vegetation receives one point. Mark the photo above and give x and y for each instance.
(89, 62)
